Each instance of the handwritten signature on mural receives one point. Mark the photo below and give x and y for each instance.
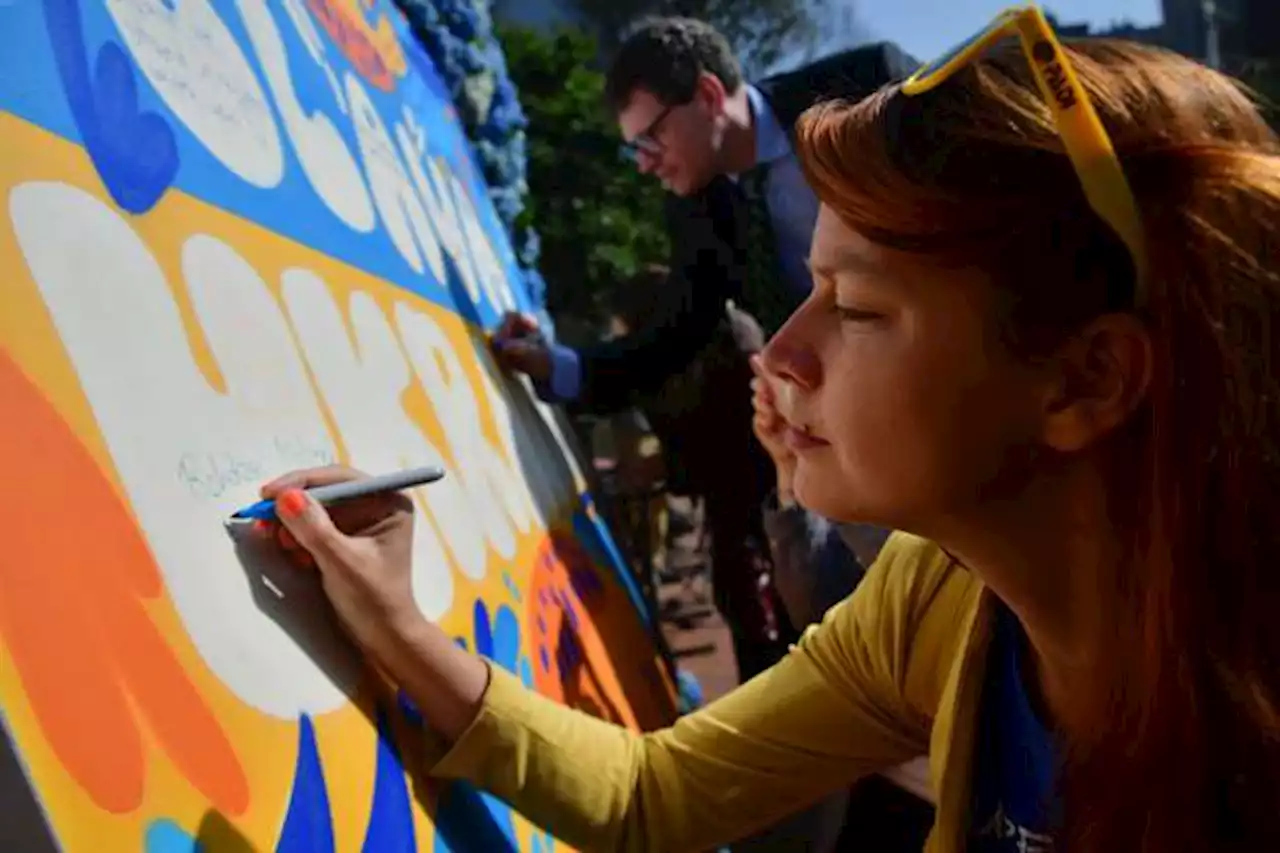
(210, 475)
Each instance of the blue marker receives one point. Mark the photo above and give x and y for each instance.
(266, 510)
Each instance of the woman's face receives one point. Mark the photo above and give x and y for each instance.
(904, 407)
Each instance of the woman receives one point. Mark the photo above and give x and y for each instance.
(1076, 414)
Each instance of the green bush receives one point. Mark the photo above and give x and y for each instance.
(598, 219)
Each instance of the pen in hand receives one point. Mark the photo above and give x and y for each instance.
(266, 510)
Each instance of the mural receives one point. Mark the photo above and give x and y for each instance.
(237, 238)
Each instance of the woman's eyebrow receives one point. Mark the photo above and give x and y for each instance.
(843, 260)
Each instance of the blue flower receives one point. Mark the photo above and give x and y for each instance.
(458, 37)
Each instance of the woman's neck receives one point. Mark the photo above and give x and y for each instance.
(1047, 554)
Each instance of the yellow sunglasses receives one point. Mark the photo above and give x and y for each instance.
(1085, 140)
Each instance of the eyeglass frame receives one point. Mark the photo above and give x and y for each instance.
(646, 140)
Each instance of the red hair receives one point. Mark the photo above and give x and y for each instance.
(1175, 745)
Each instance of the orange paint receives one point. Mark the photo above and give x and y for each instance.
(73, 573)
(375, 53)
(577, 669)
(174, 711)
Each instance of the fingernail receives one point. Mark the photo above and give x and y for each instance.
(291, 503)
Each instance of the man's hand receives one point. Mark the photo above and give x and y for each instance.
(518, 345)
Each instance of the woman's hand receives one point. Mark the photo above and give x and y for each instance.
(362, 548)
(363, 551)
(769, 428)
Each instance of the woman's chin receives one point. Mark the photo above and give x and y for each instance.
(822, 489)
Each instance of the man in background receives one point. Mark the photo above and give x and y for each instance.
(741, 217)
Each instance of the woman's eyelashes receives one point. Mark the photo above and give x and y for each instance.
(850, 314)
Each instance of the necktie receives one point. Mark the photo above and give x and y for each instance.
(764, 293)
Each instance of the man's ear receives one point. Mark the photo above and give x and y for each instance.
(710, 92)
(1102, 375)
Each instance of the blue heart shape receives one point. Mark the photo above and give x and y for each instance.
(135, 153)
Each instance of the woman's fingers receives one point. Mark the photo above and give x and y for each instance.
(308, 478)
(288, 544)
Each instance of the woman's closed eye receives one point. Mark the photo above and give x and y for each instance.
(856, 315)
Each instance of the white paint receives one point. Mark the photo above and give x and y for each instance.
(488, 269)
(186, 453)
(432, 187)
(194, 63)
(325, 158)
(316, 45)
(574, 483)
(501, 501)
(399, 206)
(512, 410)
(362, 375)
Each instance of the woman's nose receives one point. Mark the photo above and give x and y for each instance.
(790, 354)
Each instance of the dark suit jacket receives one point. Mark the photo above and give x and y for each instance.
(708, 231)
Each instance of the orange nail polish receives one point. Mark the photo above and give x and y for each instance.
(291, 503)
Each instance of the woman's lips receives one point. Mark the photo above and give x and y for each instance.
(799, 439)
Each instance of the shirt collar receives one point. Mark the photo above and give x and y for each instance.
(771, 140)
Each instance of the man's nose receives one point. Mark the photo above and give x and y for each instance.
(647, 161)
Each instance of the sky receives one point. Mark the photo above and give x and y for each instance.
(927, 28)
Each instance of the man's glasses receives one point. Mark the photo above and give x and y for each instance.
(646, 141)
(1082, 134)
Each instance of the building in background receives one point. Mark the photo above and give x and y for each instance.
(1124, 30)
(543, 15)
(1235, 35)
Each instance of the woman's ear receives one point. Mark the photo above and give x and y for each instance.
(1102, 376)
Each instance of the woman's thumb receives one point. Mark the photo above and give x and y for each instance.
(310, 524)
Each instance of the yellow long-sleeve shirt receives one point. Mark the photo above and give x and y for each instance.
(893, 672)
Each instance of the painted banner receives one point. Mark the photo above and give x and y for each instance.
(238, 238)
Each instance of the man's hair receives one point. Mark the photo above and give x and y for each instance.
(666, 56)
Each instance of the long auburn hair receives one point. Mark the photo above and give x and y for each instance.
(1175, 744)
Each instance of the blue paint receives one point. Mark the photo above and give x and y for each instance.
(165, 836)
(512, 589)
(526, 672)
(470, 821)
(134, 151)
(460, 642)
(483, 630)
(570, 610)
(308, 827)
(390, 817)
(568, 651)
(506, 639)
(585, 581)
